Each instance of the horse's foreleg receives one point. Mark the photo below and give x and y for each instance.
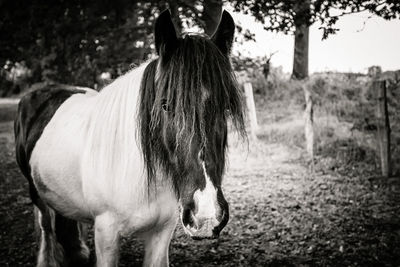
(50, 251)
(157, 244)
(69, 235)
(107, 240)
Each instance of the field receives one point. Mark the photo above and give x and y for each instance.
(282, 213)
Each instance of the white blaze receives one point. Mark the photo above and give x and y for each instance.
(206, 201)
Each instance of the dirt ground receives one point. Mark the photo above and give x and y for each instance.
(281, 213)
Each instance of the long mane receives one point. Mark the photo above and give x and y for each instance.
(194, 71)
(112, 155)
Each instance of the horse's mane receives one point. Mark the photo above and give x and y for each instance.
(195, 70)
(111, 153)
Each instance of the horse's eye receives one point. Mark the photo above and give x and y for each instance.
(165, 105)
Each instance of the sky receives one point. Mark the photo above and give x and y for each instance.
(354, 48)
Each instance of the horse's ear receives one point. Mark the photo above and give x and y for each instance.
(164, 32)
(223, 36)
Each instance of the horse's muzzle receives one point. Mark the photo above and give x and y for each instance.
(203, 228)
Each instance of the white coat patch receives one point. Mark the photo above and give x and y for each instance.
(206, 200)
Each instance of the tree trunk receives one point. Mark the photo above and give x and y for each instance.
(211, 15)
(300, 69)
(300, 56)
(301, 40)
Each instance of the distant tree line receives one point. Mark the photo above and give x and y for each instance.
(70, 41)
(74, 41)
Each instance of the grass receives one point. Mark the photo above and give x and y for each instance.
(8, 110)
(344, 116)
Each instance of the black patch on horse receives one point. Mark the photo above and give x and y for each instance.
(35, 110)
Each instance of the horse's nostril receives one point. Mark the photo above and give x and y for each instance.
(215, 233)
(196, 224)
(189, 219)
(220, 215)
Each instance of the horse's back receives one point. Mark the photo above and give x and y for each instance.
(35, 110)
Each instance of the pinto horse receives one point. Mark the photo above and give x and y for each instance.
(134, 158)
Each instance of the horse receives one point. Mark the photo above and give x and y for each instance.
(146, 151)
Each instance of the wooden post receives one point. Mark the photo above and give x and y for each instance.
(309, 123)
(383, 134)
(251, 107)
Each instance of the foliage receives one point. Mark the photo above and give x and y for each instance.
(68, 41)
(276, 86)
(75, 41)
(284, 15)
(16, 76)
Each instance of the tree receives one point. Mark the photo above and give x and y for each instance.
(292, 16)
(74, 41)
(69, 41)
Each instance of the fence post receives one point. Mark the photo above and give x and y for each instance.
(309, 122)
(383, 134)
(251, 107)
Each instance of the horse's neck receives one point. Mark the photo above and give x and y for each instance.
(112, 151)
(115, 107)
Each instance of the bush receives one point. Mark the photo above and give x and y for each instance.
(15, 77)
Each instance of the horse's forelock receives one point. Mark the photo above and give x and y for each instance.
(196, 80)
